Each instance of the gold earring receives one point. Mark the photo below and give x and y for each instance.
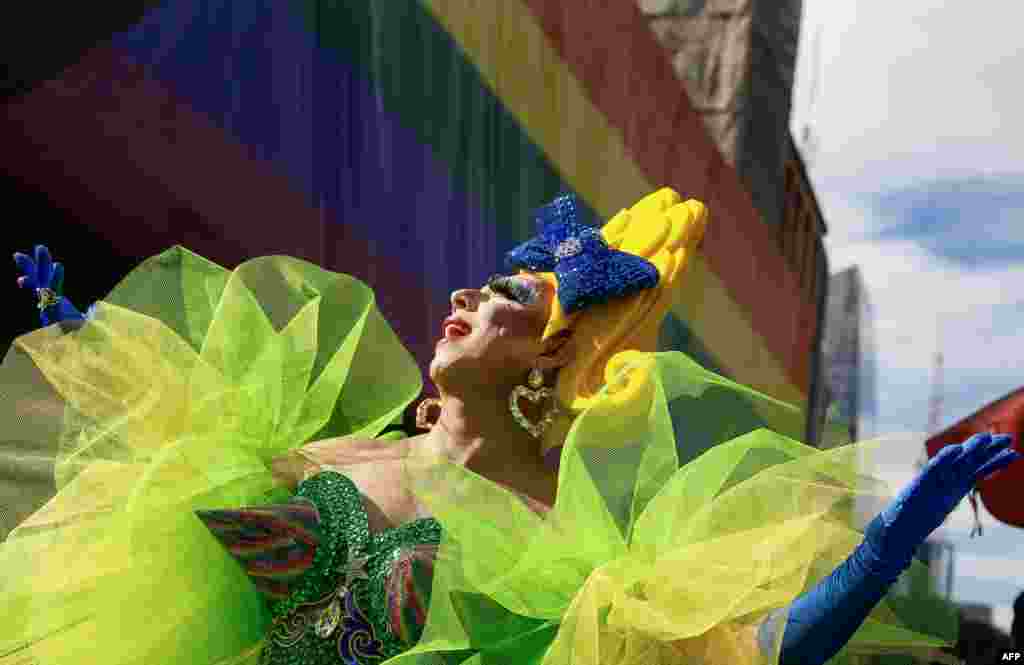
(535, 393)
(423, 412)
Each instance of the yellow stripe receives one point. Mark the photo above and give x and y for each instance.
(513, 55)
(725, 330)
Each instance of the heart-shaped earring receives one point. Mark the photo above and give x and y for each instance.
(535, 393)
(423, 420)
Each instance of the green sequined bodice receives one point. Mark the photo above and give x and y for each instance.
(365, 598)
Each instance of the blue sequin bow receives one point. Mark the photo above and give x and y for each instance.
(588, 270)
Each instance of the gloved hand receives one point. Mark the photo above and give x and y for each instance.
(822, 620)
(46, 279)
(924, 504)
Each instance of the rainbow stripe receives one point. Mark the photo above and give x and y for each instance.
(275, 545)
(405, 143)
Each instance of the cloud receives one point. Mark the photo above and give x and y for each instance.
(973, 223)
(924, 299)
(923, 302)
(917, 121)
(914, 293)
(905, 90)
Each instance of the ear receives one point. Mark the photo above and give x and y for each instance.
(558, 350)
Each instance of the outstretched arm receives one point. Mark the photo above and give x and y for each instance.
(822, 620)
(46, 278)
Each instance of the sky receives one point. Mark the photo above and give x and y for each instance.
(915, 108)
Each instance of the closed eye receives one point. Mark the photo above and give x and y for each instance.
(512, 289)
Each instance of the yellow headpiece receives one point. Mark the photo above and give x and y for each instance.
(661, 228)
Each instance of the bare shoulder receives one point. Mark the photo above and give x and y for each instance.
(348, 451)
(375, 467)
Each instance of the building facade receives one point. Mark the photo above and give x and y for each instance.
(407, 144)
(735, 60)
(848, 361)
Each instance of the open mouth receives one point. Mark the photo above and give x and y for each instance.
(454, 328)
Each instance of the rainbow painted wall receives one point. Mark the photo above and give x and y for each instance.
(405, 143)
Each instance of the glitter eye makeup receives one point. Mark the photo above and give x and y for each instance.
(520, 291)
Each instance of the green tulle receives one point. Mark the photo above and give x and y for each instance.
(187, 381)
(190, 378)
(642, 562)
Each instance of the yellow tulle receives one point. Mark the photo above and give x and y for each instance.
(190, 378)
(641, 562)
(187, 381)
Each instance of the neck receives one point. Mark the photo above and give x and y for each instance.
(478, 431)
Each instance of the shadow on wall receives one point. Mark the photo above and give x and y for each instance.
(697, 430)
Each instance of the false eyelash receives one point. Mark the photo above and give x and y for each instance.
(518, 291)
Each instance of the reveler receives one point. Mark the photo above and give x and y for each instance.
(223, 496)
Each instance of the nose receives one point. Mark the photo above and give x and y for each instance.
(464, 299)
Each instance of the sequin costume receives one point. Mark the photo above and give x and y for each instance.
(169, 541)
(377, 586)
(169, 403)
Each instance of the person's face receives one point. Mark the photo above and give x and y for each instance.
(493, 336)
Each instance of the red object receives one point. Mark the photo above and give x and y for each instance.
(1003, 491)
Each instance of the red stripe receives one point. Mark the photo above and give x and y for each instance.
(146, 172)
(272, 567)
(641, 96)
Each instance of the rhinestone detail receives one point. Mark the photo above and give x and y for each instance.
(339, 613)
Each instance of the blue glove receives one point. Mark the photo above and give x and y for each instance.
(46, 279)
(822, 620)
(947, 478)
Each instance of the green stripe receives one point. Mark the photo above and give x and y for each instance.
(422, 75)
(439, 94)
